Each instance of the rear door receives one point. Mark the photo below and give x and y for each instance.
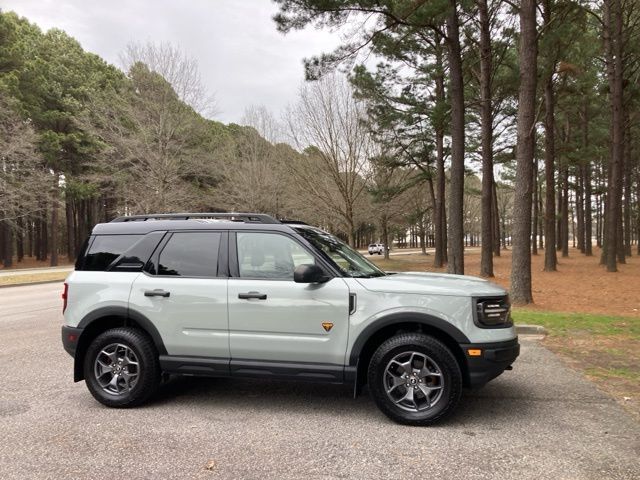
(184, 294)
(276, 325)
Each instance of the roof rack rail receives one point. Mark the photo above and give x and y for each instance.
(233, 217)
(292, 222)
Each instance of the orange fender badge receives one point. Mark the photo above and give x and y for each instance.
(327, 326)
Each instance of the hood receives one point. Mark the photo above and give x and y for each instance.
(432, 283)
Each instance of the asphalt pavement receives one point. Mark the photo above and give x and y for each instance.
(541, 420)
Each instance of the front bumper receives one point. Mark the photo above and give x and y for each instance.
(494, 359)
(70, 337)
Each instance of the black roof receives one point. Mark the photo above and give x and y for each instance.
(231, 216)
(143, 224)
(142, 228)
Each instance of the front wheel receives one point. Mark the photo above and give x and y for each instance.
(415, 379)
(121, 367)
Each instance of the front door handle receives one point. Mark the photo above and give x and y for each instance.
(156, 293)
(252, 295)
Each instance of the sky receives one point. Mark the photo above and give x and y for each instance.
(243, 59)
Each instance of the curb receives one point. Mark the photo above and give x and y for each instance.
(42, 282)
(531, 330)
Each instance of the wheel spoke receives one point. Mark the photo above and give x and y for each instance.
(425, 372)
(408, 396)
(408, 368)
(426, 392)
(113, 383)
(397, 381)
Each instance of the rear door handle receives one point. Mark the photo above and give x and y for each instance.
(252, 295)
(156, 293)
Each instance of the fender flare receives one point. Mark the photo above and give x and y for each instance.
(399, 318)
(129, 316)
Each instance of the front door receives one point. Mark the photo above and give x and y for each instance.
(274, 321)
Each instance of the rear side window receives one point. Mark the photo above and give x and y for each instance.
(190, 254)
(106, 248)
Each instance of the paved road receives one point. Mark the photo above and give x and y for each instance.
(539, 421)
(30, 271)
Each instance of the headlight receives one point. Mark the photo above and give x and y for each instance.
(493, 312)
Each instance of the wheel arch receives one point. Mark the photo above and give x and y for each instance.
(106, 318)
(386, 327)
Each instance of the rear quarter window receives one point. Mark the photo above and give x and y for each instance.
(105, 249)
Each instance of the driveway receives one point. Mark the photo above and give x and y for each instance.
(540, 420)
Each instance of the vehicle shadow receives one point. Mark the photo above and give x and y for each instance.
(500, 402)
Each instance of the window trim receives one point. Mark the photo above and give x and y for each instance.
(153, 264)
(234, 266)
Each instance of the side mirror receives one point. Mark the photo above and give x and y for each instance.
(309, 273)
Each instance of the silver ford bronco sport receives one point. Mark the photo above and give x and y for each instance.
(245, 295)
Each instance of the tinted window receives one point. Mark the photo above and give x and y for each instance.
(135, 257)
(106, 248)
(268, 255)
(190, 255)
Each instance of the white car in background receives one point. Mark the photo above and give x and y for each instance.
(376, 248)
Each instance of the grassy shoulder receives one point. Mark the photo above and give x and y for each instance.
(20, 279)
(571, 324)
(605, 348)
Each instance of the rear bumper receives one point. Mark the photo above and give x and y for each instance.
(494, 359)
(70, 337)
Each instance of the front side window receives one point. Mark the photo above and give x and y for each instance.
(189, 254)
(269, 255)
(106, 248)
(341, 255)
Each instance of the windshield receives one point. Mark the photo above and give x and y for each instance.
(348, 260)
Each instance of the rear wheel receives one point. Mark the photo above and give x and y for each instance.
(121, 367)
(415, 379)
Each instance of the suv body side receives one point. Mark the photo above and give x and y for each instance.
(205, 327)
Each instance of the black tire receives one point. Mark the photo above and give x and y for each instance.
(440, 359)
(148, 375)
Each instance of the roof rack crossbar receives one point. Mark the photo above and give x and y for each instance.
(234, 217)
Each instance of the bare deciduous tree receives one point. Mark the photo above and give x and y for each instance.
(22, 177)
(327, 122)
(177, 68)
(158, 154)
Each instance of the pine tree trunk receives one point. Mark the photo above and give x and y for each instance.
(588, 220)
(565, 211)
(30, 234)
(71, 241)
(496, 221)
(628, 172)
(580, 206)
(559, 211)
(54, 221)
(534, 226)
(540, 216)
(486, 120)
(384, 224)
(20, 239)
(550, 257)
(432, 197)
(521, 258)
(613, 53)
(7, 244)
(439, 258)
(456, 189)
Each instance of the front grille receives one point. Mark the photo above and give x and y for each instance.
(493, 312)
